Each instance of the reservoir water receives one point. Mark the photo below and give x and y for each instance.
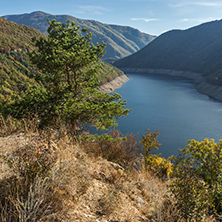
(172, 106)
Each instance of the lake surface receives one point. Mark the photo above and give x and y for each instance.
(172, 106)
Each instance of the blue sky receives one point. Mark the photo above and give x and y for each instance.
(149, 16)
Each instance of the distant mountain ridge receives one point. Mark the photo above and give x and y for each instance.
(197, 49)
(121, 40)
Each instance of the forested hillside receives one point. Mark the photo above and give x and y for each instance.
(121, 40)
(15, 65)
(13, 59)
(198, 49)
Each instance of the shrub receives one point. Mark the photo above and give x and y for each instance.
(197, 185)
(158, 165)
(28, 195)
(152, 162)
(115, 148)
(34, 159)
(108, 202)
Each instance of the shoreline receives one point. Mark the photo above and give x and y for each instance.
(114, 84)
(202, 86)
(190, 75)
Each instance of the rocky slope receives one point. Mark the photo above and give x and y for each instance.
(89, 189)
(114, 84)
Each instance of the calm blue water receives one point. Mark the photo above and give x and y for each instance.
(172, 106)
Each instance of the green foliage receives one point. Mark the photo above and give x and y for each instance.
(149, 141)
(14, 62)
(197, 185)
(69, 63)
(15, 37)
(13, 79)
(108, 72)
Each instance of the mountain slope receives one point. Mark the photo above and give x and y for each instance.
(121, 40)
(198, 49)
(15, 64)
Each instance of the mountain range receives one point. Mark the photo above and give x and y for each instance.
(121, 40)
(197, 49)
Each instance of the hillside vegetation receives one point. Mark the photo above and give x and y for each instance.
(13, 59)
(121, 40)
(198, 49)
(15, 64)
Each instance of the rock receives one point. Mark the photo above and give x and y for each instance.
(114, 84)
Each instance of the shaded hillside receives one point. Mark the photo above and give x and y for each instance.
(198, 49)
(121, 40)
(15, 64)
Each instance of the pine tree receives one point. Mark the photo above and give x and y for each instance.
(69, 63)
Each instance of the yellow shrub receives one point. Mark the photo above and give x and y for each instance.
(158, 165)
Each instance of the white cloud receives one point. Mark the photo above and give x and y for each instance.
(185, 20)
(208, 4)
(93, 9)
(144, 19)
(198, 19)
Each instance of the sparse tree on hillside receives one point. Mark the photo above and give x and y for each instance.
(69, 63)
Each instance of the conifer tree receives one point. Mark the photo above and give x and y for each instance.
(69, 63)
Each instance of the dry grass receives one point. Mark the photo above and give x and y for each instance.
(124, 152)
(46, 178)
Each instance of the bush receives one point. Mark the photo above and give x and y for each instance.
(197, 185)
(32, 160)
(152, 162)
(115, 148)
(28, 195)
(158, 165)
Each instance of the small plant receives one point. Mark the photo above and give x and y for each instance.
(28, 195)
(108, 203)
(37, 204)
(34, 159)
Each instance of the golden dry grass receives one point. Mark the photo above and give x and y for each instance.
(80, 184)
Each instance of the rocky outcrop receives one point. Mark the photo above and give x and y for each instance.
(114, 84)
